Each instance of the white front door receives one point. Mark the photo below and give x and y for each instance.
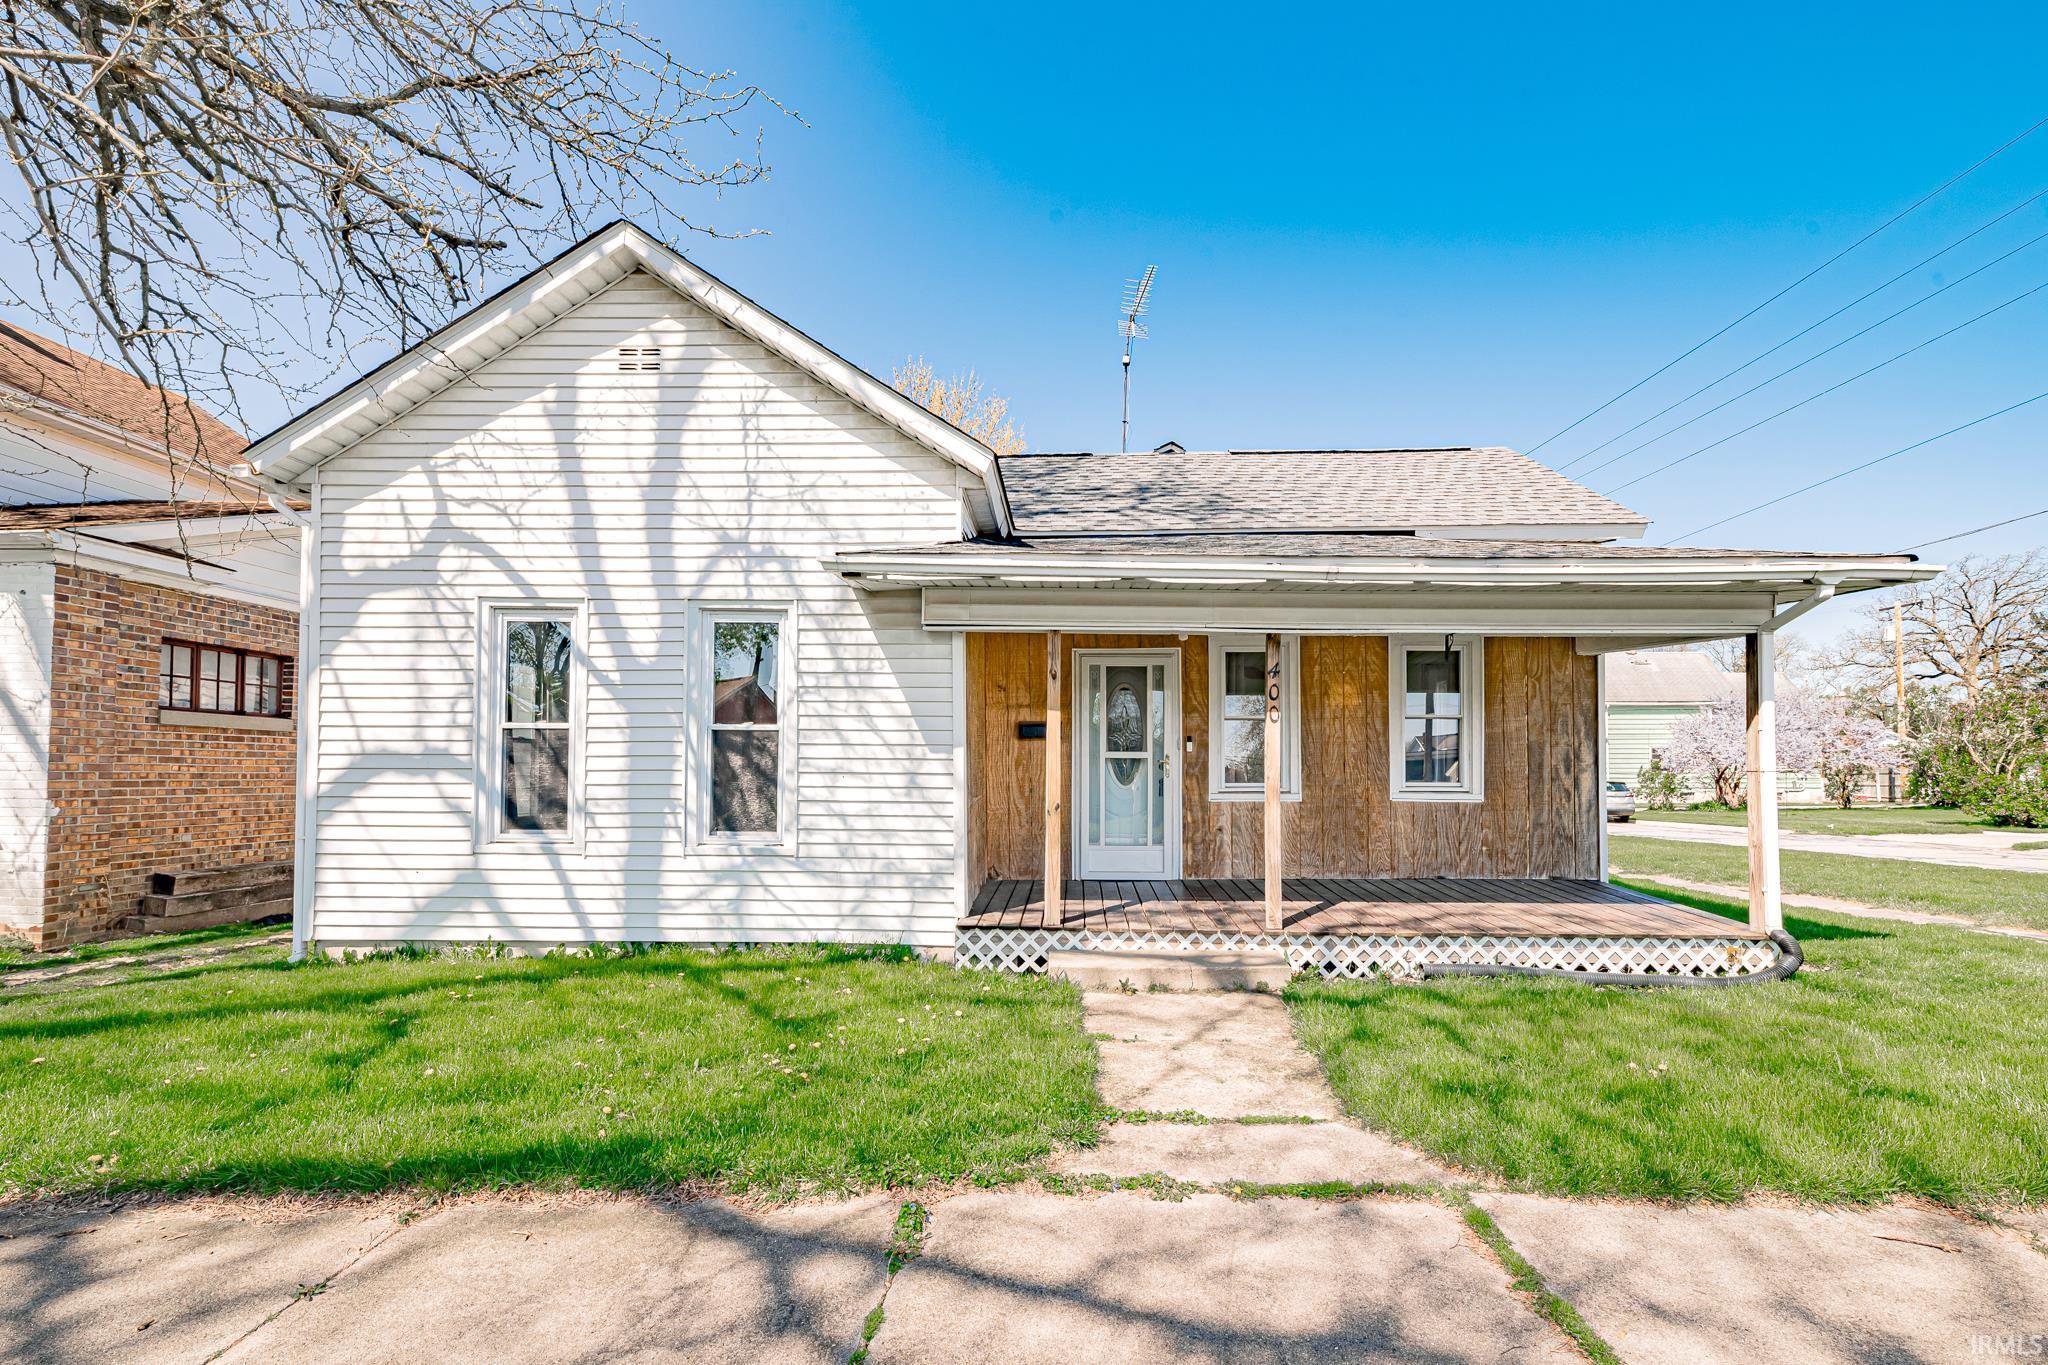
(1127, 763)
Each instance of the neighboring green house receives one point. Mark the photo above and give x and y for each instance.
(1649, 691)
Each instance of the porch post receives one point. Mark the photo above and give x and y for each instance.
(1055, 907)
(1760, 654)
(1275, 757)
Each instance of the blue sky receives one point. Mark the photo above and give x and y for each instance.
(1379, 227)
(1385, 226)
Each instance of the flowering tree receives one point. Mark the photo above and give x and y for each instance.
(1711, 748)
(1828, 738)
(1816, 734)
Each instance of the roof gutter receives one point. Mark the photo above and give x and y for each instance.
(1676, 571)
(1823, 592)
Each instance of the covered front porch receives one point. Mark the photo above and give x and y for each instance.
(1376, 754)
(1367, 926)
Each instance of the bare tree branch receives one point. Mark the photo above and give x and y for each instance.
(216, 184)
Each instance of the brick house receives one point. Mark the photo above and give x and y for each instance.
(148, 639)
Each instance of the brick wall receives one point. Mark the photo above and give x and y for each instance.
(136, 795)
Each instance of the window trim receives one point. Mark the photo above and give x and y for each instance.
(1472, 715)
(704, 618)
(493, 614)
(242, 653)
(1290, 717)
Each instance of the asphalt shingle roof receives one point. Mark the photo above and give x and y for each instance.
(1335, 546)
(1298, 490)
(1667, 677)
(53, 373)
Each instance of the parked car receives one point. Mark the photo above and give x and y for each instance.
(1621, 802)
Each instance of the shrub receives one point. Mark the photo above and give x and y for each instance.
(1657, 787)
(1944, 774)
(2018, 799)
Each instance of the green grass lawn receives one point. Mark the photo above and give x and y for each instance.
(1903, 1060)
(774, 1071)
(1835, 820)
(1985, 895)
(16, 955)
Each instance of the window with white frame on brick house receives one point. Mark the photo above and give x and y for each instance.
(220, 679)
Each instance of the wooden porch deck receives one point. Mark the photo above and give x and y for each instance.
(1532, 906)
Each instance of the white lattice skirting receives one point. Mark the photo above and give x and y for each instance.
(1365, 955)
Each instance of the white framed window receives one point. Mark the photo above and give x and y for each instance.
(1435, 713)
(1237, 717)
(743, 718)
(530, 723)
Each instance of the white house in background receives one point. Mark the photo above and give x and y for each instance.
(634, 613)
(1651, 691)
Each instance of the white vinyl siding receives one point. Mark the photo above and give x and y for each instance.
(40, 463)
(27, 603)
(725, 478)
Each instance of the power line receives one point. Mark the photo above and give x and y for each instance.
(1827, 350)
(1920, 264)
(1938, 189)
(1976, 531)
(1867, 464)
(1842, 384)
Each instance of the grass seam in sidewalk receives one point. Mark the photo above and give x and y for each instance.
(906, 1244)
(1553, 1307)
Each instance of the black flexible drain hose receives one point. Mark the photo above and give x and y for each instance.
(1790, 959)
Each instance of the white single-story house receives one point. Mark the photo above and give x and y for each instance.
(634, 614)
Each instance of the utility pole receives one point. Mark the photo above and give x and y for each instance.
(1899, 662)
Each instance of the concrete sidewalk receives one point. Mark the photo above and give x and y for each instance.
(1986, 848)
(1169, 1268)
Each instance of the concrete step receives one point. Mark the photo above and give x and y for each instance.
(216, 878)
(223, 898)
(209, 919)
(1141, 969)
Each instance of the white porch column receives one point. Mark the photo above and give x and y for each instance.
(1766, 910)
(1276, 853)
(1055, 871)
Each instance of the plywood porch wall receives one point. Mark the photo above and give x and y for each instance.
(1540, 817)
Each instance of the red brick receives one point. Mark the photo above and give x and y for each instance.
(135, 795)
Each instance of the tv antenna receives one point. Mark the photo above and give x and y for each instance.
(1136, 292)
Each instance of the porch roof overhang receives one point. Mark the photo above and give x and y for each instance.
(1611, 597)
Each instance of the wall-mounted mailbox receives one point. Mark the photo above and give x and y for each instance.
(1031, 729)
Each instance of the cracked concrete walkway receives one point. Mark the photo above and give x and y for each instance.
(1225, 1057)
(1024, 1275)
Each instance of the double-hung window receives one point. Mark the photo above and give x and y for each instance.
(744, 710)
(1435, 710)
(1237, 717)
(530, 704)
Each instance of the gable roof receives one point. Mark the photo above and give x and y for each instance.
(288, 454)
(1172, 491)
(1667, 677)
(53, 375)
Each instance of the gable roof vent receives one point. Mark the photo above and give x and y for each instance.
(640, 358)
(1170, 448)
